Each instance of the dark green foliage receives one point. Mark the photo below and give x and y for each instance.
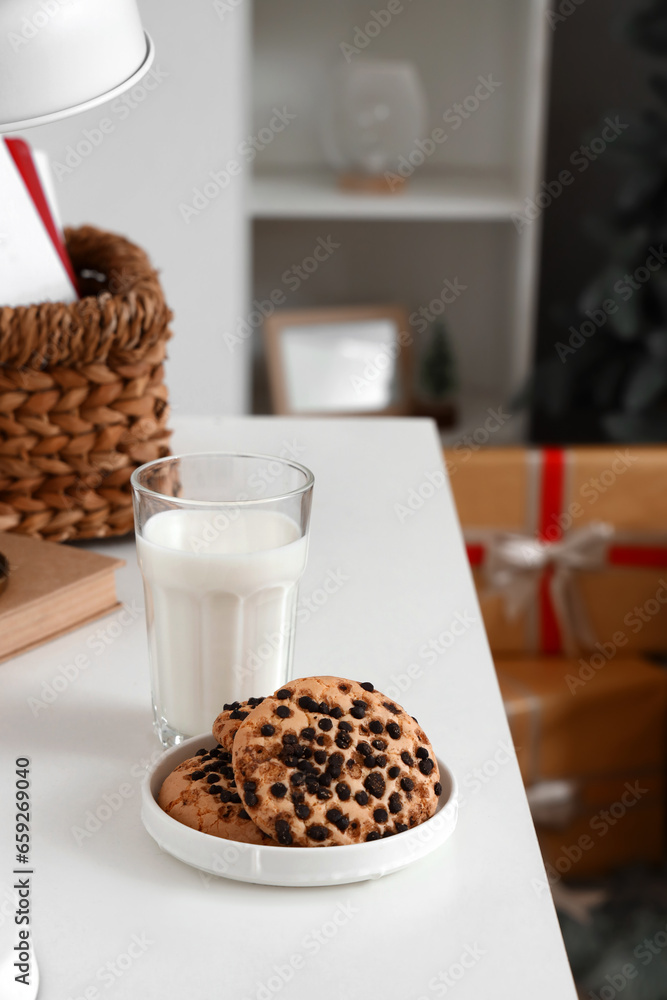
(620, 371)
(620, 940)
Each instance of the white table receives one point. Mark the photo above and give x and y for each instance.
(113, 916)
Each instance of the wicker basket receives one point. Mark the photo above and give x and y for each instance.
(82, 397)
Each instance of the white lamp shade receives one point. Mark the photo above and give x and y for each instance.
(59, 57)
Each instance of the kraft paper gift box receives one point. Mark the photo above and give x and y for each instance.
(568, 547)
(592, 746)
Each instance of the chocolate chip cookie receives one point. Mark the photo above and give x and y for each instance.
(327, 761)
(229, 720)
(201, 793)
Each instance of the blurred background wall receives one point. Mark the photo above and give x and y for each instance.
(161, 144)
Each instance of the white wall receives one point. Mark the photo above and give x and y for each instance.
(148, 163)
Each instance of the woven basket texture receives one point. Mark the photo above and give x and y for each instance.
(82, 395)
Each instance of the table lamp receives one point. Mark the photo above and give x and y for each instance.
(61, 57)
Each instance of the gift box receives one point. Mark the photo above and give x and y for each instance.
(568, 547)
(592, 753)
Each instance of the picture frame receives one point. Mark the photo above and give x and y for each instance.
(340, 361)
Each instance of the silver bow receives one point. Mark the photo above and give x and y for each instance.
(554, 805)
(515, 564)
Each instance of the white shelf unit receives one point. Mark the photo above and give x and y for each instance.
(456, 217)
(311, 194)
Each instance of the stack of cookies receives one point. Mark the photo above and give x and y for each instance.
(322, 762)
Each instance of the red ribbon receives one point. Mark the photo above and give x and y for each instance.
(550, 506)
(638, 556)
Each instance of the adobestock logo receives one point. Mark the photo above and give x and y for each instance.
(219, 180)
(113, 970)
(468, 444)
(292, 279)
(565, 9)
(224, 7)
(624, 289)
(454, 117)
(451, 290)
(272, 643)
(312, 943)
(382, 361)
(98, 641)
(430, 652)
(110, 803)
(599, 826)
(446, 980)
(91, 139)
(32, 25)
(364, 34)
(581, 158)
(590, 491)
(635, 619)
(645, 953)
(416, 498)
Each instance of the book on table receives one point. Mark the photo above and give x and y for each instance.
(52, 589)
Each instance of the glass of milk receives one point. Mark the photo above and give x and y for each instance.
(222, 541)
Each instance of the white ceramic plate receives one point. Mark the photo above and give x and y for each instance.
(291, 866)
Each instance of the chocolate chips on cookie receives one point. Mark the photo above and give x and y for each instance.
(208, 801)
(324, 761)
(225, 726)
(389, 770)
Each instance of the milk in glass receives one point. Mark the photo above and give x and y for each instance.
(221, 601)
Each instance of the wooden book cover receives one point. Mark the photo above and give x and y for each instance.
(51, 589)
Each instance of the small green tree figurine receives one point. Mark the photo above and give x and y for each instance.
(439, 375)
(438, 379)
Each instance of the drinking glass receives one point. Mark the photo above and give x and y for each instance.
(222, 542)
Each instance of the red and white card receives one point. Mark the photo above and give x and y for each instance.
(34, 264)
